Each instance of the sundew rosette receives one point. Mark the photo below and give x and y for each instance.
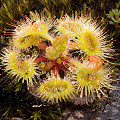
(31, 32)
(71, 52)
(55, 89)
(14, 66)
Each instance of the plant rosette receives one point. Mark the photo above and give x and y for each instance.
(51, 44)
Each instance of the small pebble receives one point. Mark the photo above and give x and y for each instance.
(71, 118)
(78, 114)
(98, 118)
(16, 118)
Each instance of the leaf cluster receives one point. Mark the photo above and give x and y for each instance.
(114, 16)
